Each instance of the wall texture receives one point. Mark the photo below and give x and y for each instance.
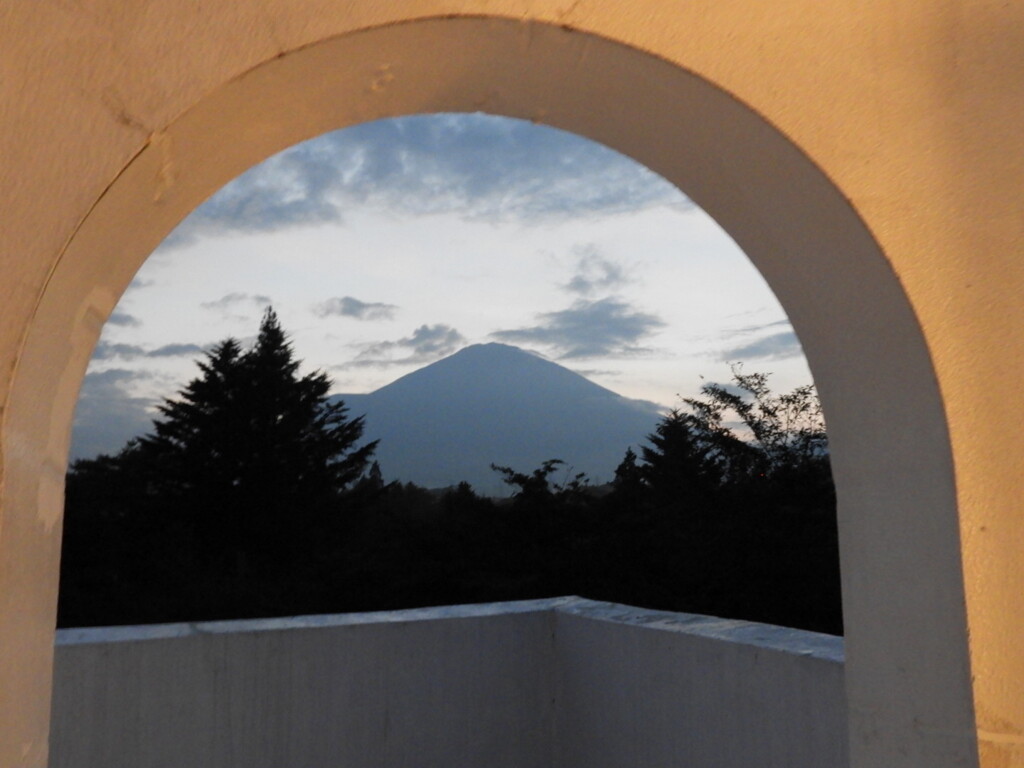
(564, 683)
(443, 687)
(639, 689)
(866, 157)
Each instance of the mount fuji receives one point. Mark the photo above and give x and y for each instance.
(495, 403)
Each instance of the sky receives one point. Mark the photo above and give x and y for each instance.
(389, 245)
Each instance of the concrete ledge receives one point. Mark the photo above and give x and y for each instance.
(89, 635)
(562, 683)
(791, 641)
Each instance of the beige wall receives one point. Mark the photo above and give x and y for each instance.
(865, 156)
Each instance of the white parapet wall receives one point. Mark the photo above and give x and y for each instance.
(561, 683)
(651, 689)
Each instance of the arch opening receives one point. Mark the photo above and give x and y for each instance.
(539, 239)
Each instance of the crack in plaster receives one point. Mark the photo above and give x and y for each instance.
(115, 105)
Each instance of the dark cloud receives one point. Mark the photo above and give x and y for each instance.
(347, 306)
(426, 344)
(482, 166)
(608, 327)
(779, 346)
(106, 416)
(232, 300)
(123, 319)
(595, 273)
(107, 351)
(138, 282)
(592, 373)
(760, 328)
(176, 350)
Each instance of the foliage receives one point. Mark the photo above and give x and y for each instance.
(783, 431)
(743, 443)
(251, 433)
(537, 488)
(727, 509)
(238, 473)
(681, 466)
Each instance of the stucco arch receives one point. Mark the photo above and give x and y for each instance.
(729, 104)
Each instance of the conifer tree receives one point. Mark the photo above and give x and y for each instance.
(678, 468)
(250, 454)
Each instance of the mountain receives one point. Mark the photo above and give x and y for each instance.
(495, 403)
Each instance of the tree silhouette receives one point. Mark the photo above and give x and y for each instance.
(252, 497)
(254, 449)
(241, 474)
(775, 449)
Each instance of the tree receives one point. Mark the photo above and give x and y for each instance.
(681, 464)
(629, 478)
(250, 458)
(778, 450)
(786, 430)
(252, 432)
(736, 443)
(536, 491)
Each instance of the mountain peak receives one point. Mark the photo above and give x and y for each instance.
(495, 349)
(497, 371)
(493, 346)
(449, 420)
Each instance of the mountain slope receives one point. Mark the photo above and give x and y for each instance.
(496, 403)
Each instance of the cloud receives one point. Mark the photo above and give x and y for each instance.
(347, 306)
(176, 350)
(608, 327)
(107, 351)
(232, 300)
(759, 328)
(767, 343)
(593, 373)
(123, 319)
(107, 416)
(481, 166)
(138, 282)
(426, 344)
(779, 346)
(594, 273)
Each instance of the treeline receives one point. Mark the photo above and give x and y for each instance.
(255, 497)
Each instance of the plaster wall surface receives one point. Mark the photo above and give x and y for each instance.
(562, 683)
(866, 157)
(444, 687)
(641, 688)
